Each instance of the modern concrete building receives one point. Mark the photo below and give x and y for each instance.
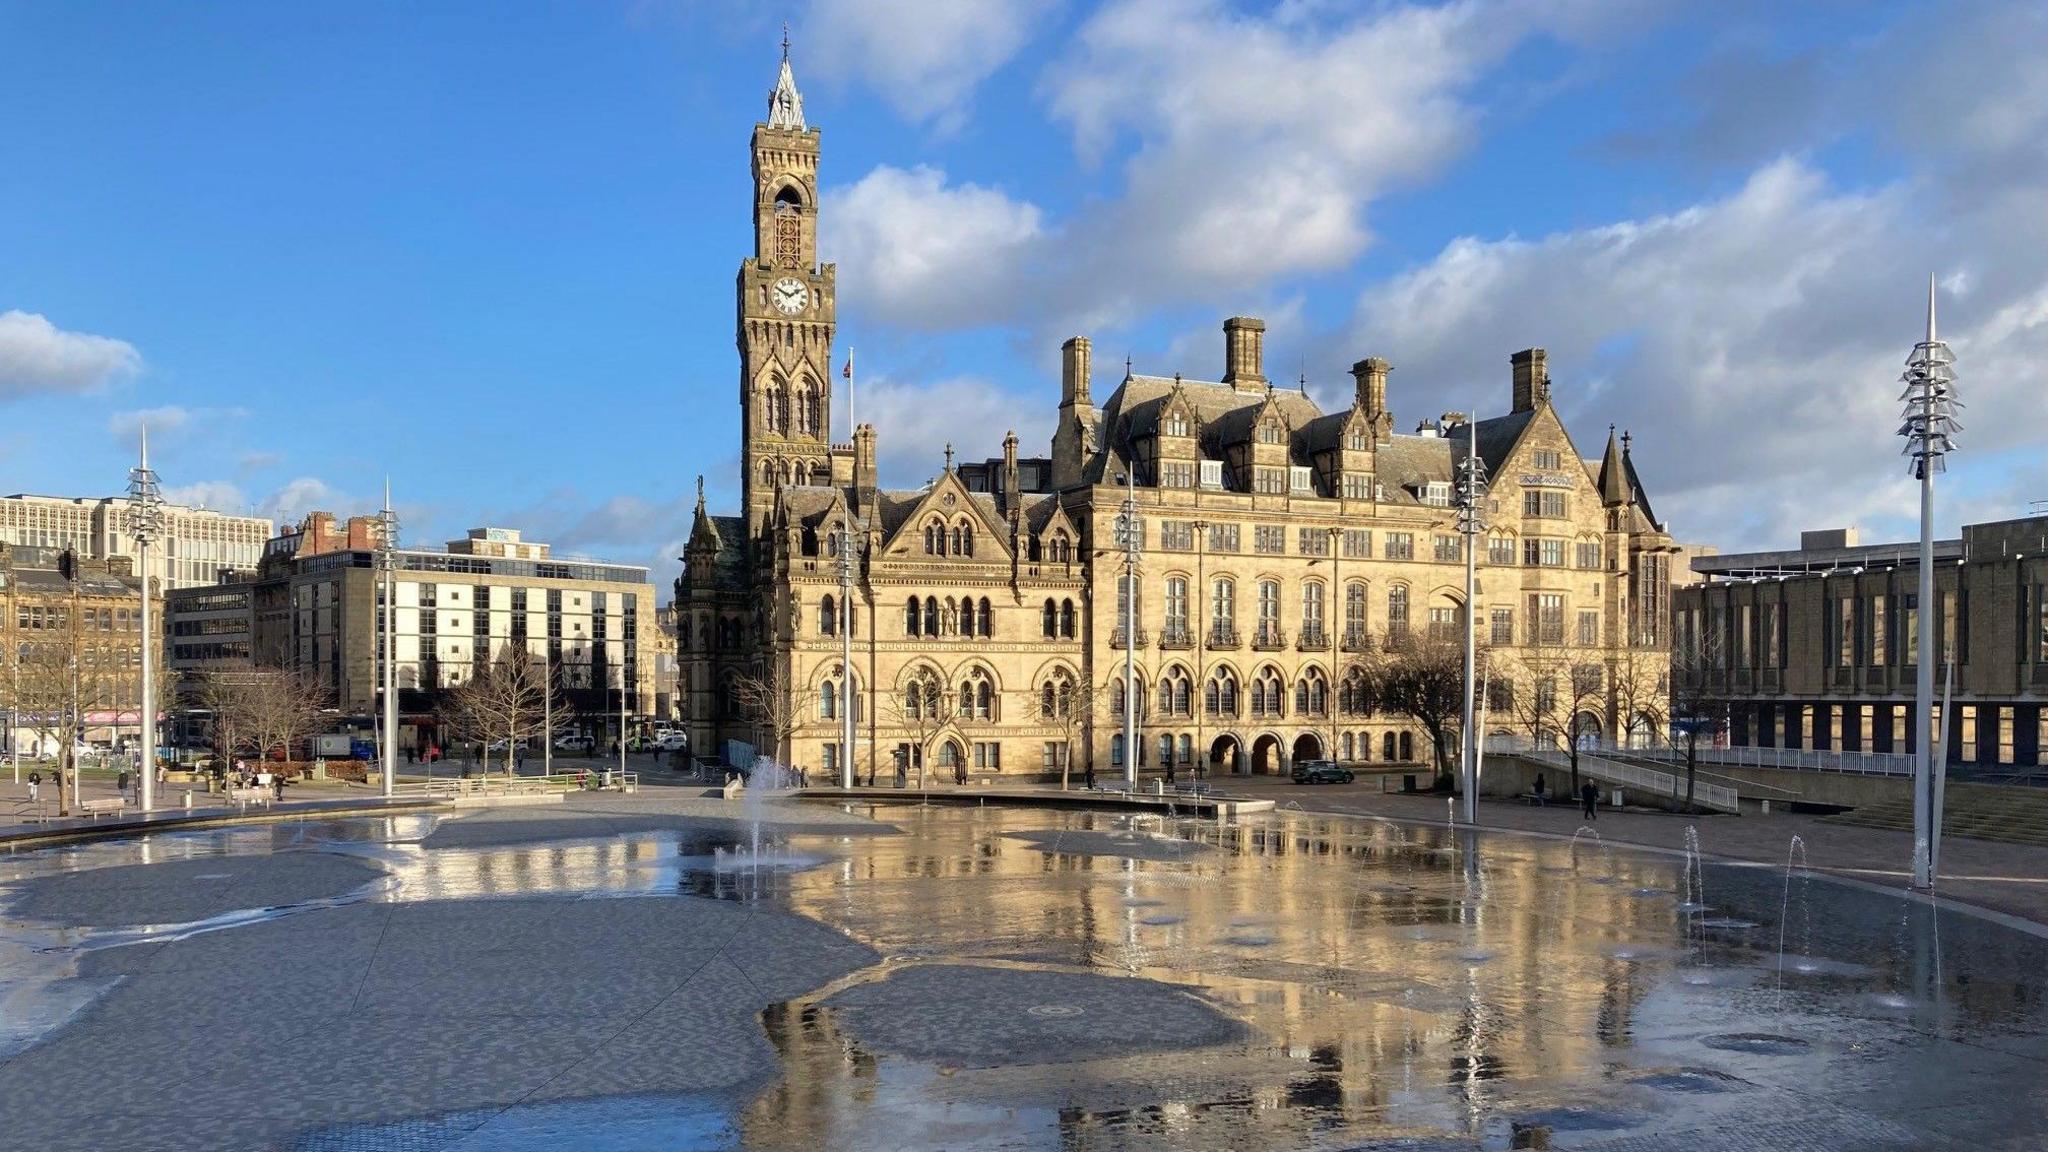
(315, 604)
(1816, 648)
(194, 547)
(1282, 545)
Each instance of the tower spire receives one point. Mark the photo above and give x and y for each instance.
(786, 104)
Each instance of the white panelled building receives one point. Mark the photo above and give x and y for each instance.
(195, 547)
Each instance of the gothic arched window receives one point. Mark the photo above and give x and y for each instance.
(987, 619)
(1050, 620)
(828, 616)
(912, 619)
(931, 616)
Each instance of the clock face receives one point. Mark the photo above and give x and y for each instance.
(789, 295)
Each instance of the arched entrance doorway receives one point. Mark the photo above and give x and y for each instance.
(1308, 746)
(1226, 755)
(1267, 756)
(951, 759)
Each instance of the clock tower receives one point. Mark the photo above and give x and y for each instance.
(786, 310)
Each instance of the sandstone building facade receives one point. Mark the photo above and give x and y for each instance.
(1281, 546)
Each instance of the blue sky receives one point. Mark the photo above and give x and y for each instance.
(489, 248)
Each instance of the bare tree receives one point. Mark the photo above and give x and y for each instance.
(282, 709)
(1699, 700)
(507, 700)
(52, 697)
(229, 696)
(1585, 691)
(1422, 677)
(920, 710)
(1640, 682)
(1537, 670)
(1069, 707)
(777, 707)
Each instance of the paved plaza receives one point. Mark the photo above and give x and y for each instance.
(624, 971)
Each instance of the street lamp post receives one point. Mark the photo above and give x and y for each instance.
(846, 689)
(1929, 430)
(145, 521)
(388, 545)
(1127, 534)
(1471, 522)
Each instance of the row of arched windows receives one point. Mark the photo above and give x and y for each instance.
(957, 540)
(828, 617)
(1056, 620)
(786, 411)
(776, 473)
(963, 617)
(1057, 550)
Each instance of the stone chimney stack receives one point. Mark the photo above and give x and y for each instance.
(1244, 352)
(864, 458)
(1011, 482)
(1074, 373)
(1371, 375)
(1532, 379)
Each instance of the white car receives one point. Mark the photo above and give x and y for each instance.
(572, 742)
(672, 742)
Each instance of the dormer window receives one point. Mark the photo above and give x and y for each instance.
(1300, 481)
(1356, 441)
(1437, 492)
(1212, 474)
(1176, 424)
(1546, 459)
(1269, 433)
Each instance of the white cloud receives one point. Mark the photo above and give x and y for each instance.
(257, 461)
(916, 252)
(914, 422)
(218, 495)
(169, 418)
(38, 356)
(1753, 343)
(924, 57)
(300, 496)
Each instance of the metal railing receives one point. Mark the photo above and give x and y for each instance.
(492, 785)
(1787, 759)
(1715, 796)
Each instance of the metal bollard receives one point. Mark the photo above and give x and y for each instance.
(188, 799)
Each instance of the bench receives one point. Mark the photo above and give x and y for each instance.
(1537, 799)
(96, 808)
(247, 796)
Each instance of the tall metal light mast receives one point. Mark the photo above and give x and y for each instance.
(1929, 430)
(388, 545)
(145, 521)
(1471, 522)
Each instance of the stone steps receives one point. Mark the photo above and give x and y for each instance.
(2009, 815)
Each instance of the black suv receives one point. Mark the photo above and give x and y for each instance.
(1321, 772)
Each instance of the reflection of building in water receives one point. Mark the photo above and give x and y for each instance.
(1397, 980)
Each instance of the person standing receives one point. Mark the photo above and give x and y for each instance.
(1589, 796)
(35, 784)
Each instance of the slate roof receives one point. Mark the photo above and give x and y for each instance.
(1223, 415)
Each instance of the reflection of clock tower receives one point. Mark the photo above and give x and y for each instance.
(785, 313)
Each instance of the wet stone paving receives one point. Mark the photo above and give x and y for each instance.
(663, 972)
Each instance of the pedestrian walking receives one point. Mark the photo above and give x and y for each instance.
(1590, 797)
(35, 785)
(277, 786)
(121, 783)
(1538, 790)
(1088, 776)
